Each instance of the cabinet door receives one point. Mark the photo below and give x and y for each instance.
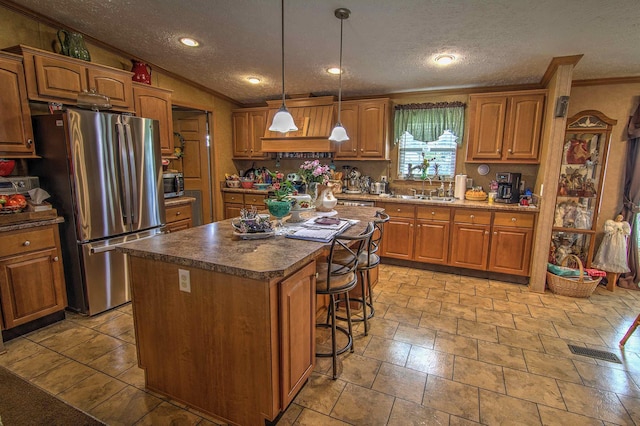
(60, 79)
(178, 226)
(241, 144)
(257, 126)
(155, 103)
(372, 127)
(232, 210)
(297, 298)
(117, 86)
(397, 239)
(470, 246)
(16, 133)
(31, 286)
(349, 119)
(486, 128)
(432, 241)
(523, 128)
(510, 250)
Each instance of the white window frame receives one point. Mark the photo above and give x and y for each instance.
(443, 152)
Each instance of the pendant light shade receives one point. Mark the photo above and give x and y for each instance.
(283, 121)
(339, 134)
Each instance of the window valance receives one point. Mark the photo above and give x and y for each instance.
(427, 121)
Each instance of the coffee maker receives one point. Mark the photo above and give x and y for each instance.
(508, 187)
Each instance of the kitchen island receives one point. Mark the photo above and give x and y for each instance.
(224, 325)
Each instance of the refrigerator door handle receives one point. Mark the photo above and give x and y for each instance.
(134, 178)
(124, 148)
(111, 247)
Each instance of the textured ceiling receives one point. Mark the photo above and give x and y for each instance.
(388, 44)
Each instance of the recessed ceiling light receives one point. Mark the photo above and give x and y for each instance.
(444, 59)
(187, 41)
(334, 70)
(253, 80)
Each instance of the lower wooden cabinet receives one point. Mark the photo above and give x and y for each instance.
(236, 201)
(511, 243)
(31, 275)
(470, 238)
(179, 217)
(432, 234)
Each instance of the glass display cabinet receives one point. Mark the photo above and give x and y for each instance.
(584, 160)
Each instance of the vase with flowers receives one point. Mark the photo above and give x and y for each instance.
(313, 174)
(280, 206)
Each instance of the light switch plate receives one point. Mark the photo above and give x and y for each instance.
(184, 280)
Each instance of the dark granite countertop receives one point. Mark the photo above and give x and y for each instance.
(31, 224)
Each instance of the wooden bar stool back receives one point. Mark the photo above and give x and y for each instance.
(335, 279)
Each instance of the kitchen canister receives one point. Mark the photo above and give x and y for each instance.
(460, 186)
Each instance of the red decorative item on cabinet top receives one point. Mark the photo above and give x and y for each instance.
(6, 167)
(141, 72)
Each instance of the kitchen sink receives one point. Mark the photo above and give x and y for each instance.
(425, 198)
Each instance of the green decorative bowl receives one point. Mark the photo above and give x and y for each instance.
(278, 209)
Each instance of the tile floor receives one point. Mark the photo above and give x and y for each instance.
(442, 350)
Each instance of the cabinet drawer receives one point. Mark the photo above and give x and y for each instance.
(27, 240)
(175, 213)
(479, 217)
(233, 197)
(520, 220)
(399, 210)
(255, 200)
(433, 213)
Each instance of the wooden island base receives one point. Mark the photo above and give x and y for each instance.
(238, 349)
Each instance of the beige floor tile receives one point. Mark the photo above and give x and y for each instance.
(452, 397)
(358, 369)
(415, 335)
(524, 297)
(311, 418)
(387, 350)
(50, 331)
(133, 376)
(443, 276)
(608, 312)
(549, 314)
(479, 374)
(169, 414)
(444, 296)
(431, 362)
(476, 301)
(393, 299)
(403, 315)
(492, 292)
(320, 393)
(459, 421)
(92, 391)
(290, 416)
(387, 286)
(63, 377)
(92, 348)
(477, 330)
(498, 409)
(555, 417)
(358, 405)
(429, 306)
(560, 302)
(558, 346)
(462, 286)
(590, 402)
(596, 322)
(606, 378)
(633, 407)
(511, 307)
(18, 349)
(534, 325)
(116, 361)
(126, 407)
(502, 319)
(96, 320)
(519, 339)
(431, 283)
(405, 413)
(580, 334)
(456, 345)
(551, 366)
(477, 282)
(440, 323)
(382, 327)
(534, 388)
(503, 355)
(413, 290)
(400, 382)
(127, 308)
(457, 310)
(37, 364)
(128, 336)
(404, 279)
(68, 338)
(116, 326)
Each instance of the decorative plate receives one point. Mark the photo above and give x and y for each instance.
(254, 235)
(483, 169)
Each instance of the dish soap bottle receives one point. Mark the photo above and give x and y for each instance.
(441, 190)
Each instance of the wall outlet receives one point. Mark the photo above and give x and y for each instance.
(184, 280)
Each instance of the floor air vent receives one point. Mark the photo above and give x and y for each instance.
(594, 353)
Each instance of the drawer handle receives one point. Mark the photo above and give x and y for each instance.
(55, 259)
(26, 243)
(433, 213)
(513, 219)
(495, 232)
(399, 210)
(486, 232)
(472, 216)
(178, 213)
(29, 142)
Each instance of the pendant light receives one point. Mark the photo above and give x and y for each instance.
(283, 121)
(339, 134)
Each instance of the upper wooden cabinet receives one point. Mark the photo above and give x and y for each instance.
(367, 125)
(57, 78)
(155, 103)
(505, 127)
(16, 133)
(248, 128)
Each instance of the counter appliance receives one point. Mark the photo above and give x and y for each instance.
(508, 187)
(104, 174)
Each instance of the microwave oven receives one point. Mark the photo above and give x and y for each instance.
(173, 184)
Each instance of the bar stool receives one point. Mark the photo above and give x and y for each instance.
(335, 279)
(367, 261)
(630, 331)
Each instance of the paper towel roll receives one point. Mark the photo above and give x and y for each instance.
(460, 186)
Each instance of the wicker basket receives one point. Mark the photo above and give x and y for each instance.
(574, 287)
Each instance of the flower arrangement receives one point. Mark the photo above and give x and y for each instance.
(313, 171)
(282, 188)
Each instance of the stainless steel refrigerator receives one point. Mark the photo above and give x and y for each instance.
(104, 174)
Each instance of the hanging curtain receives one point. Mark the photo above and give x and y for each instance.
(426, 122)
(631, 201)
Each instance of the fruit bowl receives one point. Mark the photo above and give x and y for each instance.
(261, 186)
(233, 184)
(246, 183)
